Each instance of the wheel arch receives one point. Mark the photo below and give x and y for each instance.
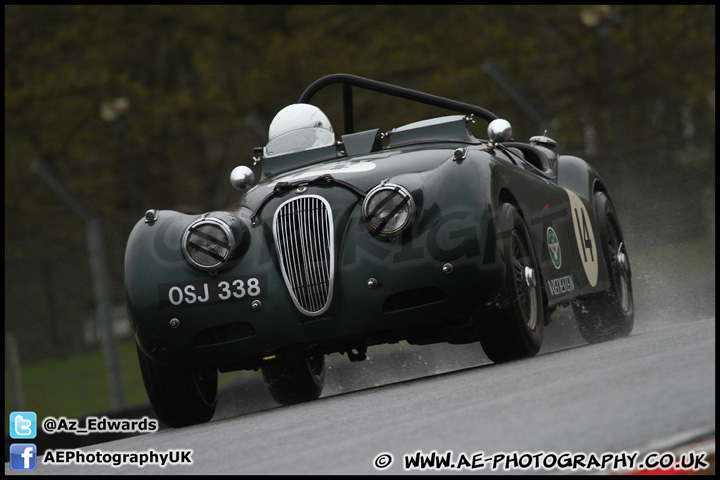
(599, 186)
(506, 196)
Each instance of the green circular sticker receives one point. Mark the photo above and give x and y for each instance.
(554, 247)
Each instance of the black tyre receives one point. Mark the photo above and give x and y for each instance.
(512, 327)
(293, 379)
(610, 314)
(179, 397)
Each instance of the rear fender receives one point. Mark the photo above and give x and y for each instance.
(582, 181)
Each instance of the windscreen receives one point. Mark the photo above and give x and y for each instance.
(299, 140)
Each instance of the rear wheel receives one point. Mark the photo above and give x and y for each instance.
(180, 397)
(608, 315)
(512, 326)
(294, 379)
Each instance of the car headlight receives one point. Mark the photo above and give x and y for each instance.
(388, 209)
(208, 243)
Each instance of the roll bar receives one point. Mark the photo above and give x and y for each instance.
(349, 81)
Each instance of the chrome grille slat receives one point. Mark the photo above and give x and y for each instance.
(303, 230)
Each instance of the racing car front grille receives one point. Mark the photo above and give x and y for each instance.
(303, 229)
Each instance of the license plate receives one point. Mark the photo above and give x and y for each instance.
(208, 292)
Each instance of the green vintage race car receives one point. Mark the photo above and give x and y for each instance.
(423, 233)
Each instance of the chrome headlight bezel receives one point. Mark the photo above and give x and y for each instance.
(371, 209)
(218, 247)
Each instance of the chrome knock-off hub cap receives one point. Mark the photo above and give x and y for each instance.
(530, 277)
(621, 259)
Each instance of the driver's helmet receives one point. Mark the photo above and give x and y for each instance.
(298, 127)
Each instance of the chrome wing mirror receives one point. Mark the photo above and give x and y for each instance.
(499, 131)
(242, 178)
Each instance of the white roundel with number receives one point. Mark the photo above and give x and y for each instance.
(587, 246)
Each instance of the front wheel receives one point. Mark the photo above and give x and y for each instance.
(180, 397)
(512, 327)
(608, 315)
(294, 379)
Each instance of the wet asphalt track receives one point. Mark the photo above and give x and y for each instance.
(618, 396)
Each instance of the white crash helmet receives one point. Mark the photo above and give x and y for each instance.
(298, 127)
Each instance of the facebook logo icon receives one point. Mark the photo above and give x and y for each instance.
(23, 425)
(23, 456)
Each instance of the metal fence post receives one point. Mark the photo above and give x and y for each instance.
(99, 273)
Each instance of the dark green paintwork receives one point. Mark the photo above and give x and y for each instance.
(456, 203)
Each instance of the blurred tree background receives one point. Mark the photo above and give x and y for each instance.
(139, 107)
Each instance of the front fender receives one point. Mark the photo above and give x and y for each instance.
(154, 254)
